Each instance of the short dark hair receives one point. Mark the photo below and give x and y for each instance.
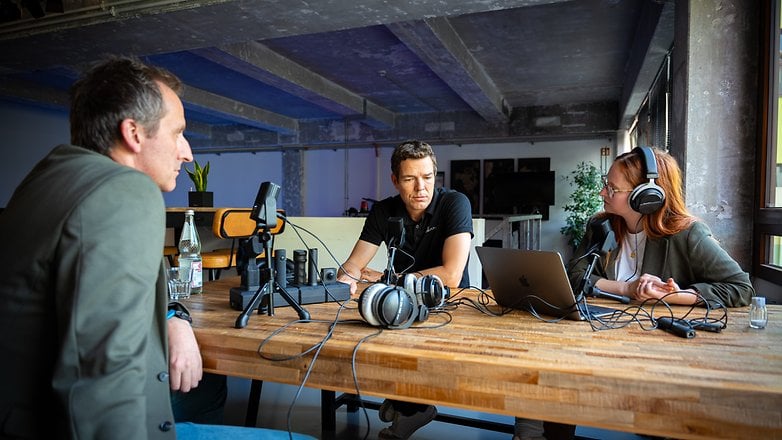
(115, 89)
(411, 150)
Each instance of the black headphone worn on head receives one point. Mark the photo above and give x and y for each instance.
(647, 197)
(397, 307)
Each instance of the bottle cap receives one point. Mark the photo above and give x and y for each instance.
(189, 212)
(759, 301)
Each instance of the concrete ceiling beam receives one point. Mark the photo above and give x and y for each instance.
(436, 42)
(259, 62)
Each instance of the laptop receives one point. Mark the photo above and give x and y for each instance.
(534, 281)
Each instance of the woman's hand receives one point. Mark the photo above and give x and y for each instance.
(651, 287)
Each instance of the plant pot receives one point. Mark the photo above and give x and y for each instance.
(200, 199)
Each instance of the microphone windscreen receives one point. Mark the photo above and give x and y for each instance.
(603, 236)
(396, 232)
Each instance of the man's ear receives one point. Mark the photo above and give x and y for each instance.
(393, 179)
(132, 133)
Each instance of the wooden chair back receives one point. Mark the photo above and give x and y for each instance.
(232, 223)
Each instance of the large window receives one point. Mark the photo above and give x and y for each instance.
(768, 223)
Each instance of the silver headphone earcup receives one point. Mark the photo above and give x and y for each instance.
(365, 303)
(430, 291)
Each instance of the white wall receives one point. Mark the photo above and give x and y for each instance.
(339, 234)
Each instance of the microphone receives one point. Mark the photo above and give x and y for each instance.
(604, 242)
(396, 232)
(598, 293)
(603, 236)
(395, 240)
(676, 326)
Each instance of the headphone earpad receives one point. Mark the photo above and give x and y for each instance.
(647, 198)
(395, 307)
(430, 291)
(409, 282)
(365, 303)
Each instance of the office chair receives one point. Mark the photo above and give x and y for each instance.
(233, 224)
(170, 252)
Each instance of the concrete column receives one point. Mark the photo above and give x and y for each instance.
(715, 110)
(292, 182)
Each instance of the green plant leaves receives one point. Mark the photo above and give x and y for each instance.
(198, 175)
(584, 201)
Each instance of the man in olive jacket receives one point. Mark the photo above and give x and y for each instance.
(83, 328)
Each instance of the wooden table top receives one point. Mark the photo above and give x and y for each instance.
(716, 385)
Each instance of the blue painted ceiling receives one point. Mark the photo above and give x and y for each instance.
(283, 74)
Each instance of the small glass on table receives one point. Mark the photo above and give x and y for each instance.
(178, 283)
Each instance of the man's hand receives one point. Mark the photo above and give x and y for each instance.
(185, 365)
(348, 278)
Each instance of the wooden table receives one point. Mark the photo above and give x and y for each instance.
(716, 385)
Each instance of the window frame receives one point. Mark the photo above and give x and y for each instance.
(768, 220)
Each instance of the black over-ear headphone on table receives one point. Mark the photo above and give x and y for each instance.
(647, 197)
(429, 289)
(397, 307)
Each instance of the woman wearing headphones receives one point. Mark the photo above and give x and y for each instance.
(663, 251)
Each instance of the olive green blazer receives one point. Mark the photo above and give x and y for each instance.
(83, 303)
(693, 258)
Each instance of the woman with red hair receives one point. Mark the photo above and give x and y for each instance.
(663, 250)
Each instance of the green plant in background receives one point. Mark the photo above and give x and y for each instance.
(584, 201)
(198, 175)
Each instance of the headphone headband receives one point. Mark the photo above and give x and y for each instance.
(650, 163)
(647, 197)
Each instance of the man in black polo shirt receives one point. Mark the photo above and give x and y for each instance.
(437, 235)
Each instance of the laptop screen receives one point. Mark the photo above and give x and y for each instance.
(535, 281)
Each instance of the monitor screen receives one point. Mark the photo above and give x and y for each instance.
(521, 192)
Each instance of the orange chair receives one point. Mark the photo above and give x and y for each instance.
(170, 252)
(233, 224)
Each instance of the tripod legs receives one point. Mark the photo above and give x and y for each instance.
(266, 292)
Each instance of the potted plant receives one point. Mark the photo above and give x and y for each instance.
(199, 197)
(584, 201)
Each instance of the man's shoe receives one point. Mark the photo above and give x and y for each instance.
(404, 426)
(386, 412)
(527, 429)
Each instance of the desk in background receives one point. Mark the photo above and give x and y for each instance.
(717, 385)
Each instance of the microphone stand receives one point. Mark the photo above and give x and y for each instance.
(607, 244)
(589, 289)
(390, 273)
(268, 287)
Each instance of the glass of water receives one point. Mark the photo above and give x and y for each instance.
(178, 283)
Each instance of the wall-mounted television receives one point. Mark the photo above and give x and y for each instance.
(526, 192)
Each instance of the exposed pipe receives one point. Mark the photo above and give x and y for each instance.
(395, 142)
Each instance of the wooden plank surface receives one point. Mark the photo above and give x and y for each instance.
(716, 385)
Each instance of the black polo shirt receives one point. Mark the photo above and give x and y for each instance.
(448, 214)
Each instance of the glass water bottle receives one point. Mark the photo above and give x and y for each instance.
(190, 253)
(758, 315)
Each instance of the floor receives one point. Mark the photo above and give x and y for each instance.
(276, 400)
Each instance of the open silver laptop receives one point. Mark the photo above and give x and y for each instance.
(534, 281)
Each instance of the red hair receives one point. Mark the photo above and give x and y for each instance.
(673, 216)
